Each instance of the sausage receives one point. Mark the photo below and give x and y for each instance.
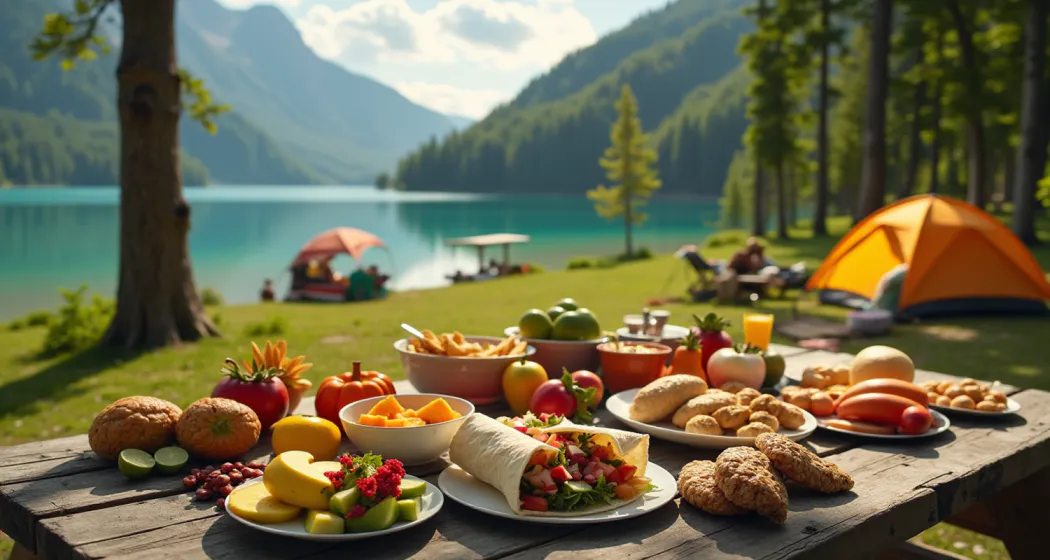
(860, 426)
(888, 387)
(874, 407)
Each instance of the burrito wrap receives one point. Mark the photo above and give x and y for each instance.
(498, 454)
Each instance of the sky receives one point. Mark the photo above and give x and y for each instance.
(461, 57)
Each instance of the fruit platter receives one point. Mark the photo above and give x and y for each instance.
(359, 497)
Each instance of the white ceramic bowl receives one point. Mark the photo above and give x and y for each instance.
(554, 355)
(479, 380)
(415, 445)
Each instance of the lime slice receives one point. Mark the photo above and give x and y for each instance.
(170, 460)
(135, 463)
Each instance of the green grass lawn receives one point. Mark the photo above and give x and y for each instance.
(47, 398)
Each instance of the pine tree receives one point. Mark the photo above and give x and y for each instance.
(629, 163)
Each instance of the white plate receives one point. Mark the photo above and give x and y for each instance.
(620, 403)
(462, 487)
(940, 425)
(1012, 407)
(431, 502)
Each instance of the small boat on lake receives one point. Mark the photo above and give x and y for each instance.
(314, 280)
(492, 269)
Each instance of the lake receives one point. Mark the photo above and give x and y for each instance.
(63, 237)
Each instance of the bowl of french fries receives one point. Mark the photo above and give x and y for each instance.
(468, 367)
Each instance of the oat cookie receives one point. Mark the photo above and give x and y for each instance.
(802, 466)
(747, 479)
(697, 485)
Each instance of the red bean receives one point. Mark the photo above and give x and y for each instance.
(225, 490)
(226, 467)
(221, 503)
(203, 494)
(238, 465)
(256, 464)
(190, 481)
(222, 480)
(236, 478)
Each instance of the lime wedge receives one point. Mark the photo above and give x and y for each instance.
(170, 460)
(135, 463)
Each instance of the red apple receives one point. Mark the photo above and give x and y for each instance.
(588, 379)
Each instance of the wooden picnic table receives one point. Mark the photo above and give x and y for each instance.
(58, 500)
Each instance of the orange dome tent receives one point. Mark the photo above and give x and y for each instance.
(336, 241)
(959, 260)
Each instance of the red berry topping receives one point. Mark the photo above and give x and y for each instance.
(356, 511)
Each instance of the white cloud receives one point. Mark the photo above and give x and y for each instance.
(249, 3)
(483, 42)
(473, 103)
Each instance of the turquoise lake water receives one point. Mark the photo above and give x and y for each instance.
(62, 238)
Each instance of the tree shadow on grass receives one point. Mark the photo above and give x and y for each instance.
(54, 381)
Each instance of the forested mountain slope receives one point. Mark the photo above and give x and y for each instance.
(689, 90)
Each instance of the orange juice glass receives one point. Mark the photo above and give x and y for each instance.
(758, 330)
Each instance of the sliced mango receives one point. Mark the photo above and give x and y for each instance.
(388, 407)
(396, 423)
(255, 503)
(436, 411)
(372, 420)
(409, 413)
(414, 422)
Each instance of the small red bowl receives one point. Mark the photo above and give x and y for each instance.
(629, 370)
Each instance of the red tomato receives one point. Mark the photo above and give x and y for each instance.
(534, 503)
(588, 379)
(552, 397)
(269, 398)
(626, 471)
(560, 474)
(916, 420)
(600, 452)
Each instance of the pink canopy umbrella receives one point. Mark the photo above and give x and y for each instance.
(337, 241)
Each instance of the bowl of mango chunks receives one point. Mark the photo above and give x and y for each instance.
(415, 429)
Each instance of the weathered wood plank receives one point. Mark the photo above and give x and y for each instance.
(46, 459)
(456, 532)
(900, 490)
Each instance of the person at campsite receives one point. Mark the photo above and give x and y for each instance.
(362, 285)
(750, 259)
(267, 290)
(378, 281)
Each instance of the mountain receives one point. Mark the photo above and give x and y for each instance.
(344, 126)
(682, 64)
(296, 118)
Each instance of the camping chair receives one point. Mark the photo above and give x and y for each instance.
(704, 288)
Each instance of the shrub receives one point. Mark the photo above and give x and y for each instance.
(35, 319)
(211, 297)
(271, 327)
(725, 238)
(78, 324)
(578, 263)
(217, 319)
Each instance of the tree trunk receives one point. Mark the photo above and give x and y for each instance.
(628, 217)
(976, 172)
(157, 303)
(782, 230)
(820, 210)
(758, 213)
(935, 144)
(873, 176)
(794, 180)
(1031, 154)
(915, 136)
